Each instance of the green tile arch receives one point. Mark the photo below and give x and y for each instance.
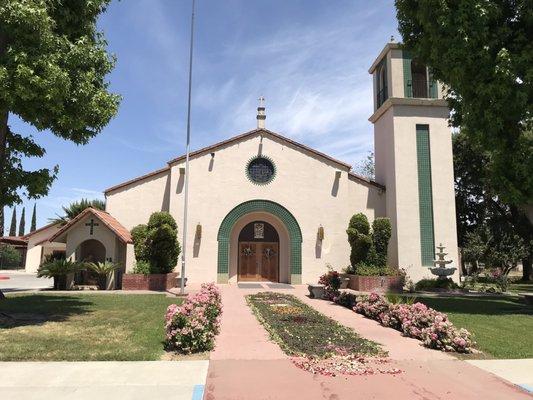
(425, 196)
(295, 236)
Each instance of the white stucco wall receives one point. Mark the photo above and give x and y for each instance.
(133, 204)
(79, 233)
(395, 141)
(304, 184)
(36, 252)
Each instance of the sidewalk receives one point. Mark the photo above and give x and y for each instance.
(103, 380)
(246, 365)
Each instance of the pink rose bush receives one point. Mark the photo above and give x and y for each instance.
(417, 321)
(192, 326)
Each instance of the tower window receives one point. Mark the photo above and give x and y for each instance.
(419, 82)
(382, 90)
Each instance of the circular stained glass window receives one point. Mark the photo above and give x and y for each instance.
(261, 170)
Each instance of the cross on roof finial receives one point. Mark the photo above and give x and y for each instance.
(261, 101)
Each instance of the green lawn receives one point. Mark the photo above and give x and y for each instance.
(82, 327)
(521, 287)
(503, 326)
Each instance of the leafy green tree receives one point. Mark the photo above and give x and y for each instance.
(34, 218)
(9, 256)
(73, 209)
(482, 216)
(53, 64)
(13, 227)
(367, 166)
(22, 223)
(483, 52)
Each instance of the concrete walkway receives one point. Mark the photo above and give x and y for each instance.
(519, 372)
(103, 380)
(246, 365)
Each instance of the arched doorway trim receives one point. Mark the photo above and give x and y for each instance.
(295, 236)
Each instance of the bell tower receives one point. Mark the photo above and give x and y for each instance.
(413, 152)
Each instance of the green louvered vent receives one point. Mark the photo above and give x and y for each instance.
(407, 76)
(432, 87)
(425, 195)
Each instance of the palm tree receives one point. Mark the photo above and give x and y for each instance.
(59, 269)
(103, 270)
(73, 209)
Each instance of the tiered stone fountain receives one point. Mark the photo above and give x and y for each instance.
(440, 269)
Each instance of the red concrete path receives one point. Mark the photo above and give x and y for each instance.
(246, 365)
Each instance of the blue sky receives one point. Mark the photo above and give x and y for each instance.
(308, 58)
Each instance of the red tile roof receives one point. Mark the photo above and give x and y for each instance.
(15, 240)
(244, 136)
(116, 227)
(28, 235)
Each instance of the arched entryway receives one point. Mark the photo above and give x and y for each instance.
(89, 251)
(258, 252)
(290, 239)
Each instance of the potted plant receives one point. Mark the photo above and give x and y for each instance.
(103, 270)
(59, 271)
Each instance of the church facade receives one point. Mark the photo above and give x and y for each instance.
(264, 207)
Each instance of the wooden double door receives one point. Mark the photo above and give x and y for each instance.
(258, 258)
(259, 261)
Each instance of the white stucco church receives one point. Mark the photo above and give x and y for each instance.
(264, 207)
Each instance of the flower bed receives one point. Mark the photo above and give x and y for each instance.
(317, 343)
(417, 321)
(192, 327)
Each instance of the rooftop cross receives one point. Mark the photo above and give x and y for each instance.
(261, 101)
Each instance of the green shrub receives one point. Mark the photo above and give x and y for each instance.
(367, 247)
(157, 243)
(142, 267)
(373, 270)
(159, 219)
(346, 299)
(359, 222)
(381, 233)
(139, 235)
(432, 284)
(10, 257)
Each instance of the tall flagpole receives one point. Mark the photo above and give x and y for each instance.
(186, 194)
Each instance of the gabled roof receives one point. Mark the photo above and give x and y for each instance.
(14, 240)
(30, 234)
(253, 133)
(116, 227)
(245, 136)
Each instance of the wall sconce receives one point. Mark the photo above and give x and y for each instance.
(212, 155)
(198, 231)
(320, 233)
(182, 170)
(338, 174)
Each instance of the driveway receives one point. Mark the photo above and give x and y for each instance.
(16, 281)
(103, 380)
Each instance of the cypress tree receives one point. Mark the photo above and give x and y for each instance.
(22, 225)
(34, 219)
(13, 227)
(1, 221)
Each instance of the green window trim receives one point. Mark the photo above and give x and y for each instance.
(425, 195)
(407, 75)
(295, 236)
